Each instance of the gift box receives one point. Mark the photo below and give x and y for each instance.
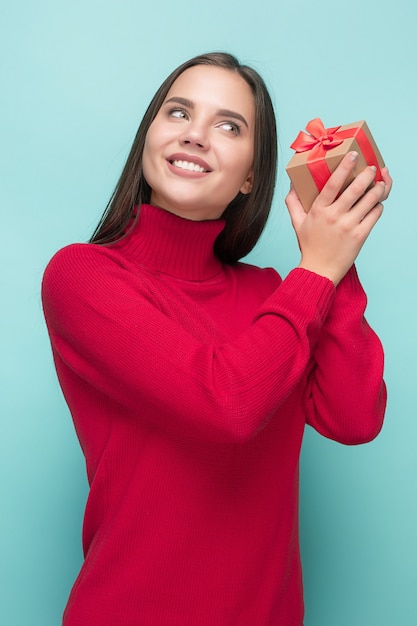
(319, 151)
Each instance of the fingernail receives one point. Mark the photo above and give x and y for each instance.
(353, 156)
(373, 168)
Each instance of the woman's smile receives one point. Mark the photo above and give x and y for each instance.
(189, 163)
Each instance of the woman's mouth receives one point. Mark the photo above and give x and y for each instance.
(188, 165)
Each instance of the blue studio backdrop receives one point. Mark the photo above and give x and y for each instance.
(75, 79)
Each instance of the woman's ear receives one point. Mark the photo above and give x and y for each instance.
(248, 183)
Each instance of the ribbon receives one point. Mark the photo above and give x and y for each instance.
(320, 140)
(319, 137)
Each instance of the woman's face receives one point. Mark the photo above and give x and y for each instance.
(199, 149)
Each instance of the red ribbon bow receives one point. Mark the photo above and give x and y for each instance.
(319, 137)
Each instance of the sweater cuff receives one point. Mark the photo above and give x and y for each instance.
(350, 300)
(309, 289)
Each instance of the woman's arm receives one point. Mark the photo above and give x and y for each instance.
(105, 326)
(346, 393)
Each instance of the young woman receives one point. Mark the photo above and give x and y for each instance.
(190, 376)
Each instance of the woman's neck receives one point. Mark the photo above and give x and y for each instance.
(165, 242)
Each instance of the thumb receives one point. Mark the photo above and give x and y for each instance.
(295, 209)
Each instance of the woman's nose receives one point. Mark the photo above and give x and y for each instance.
(195, 135)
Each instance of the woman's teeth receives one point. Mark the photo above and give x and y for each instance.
(188, 165)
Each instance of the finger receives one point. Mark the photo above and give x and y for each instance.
(358, 189)
(387, 180)
(336, 181)
(372, 198)
(370, 219)
(295, 208)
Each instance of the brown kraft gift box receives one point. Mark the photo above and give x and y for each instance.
(320, 151)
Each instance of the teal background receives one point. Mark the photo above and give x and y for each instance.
(75, 78)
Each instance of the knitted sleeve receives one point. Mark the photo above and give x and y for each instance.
(347, 394)
(104, 325)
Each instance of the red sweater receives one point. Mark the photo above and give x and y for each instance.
(189, 383)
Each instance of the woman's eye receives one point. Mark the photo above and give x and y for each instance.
(178, 113)
(231, 127)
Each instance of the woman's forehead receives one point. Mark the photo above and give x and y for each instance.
(216, 86)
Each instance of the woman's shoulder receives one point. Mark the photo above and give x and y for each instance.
(76, 256)
(79, 250)
(77, 265)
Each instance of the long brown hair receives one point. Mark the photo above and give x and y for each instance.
(246, 214)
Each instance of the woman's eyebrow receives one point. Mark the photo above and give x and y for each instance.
(236, 116)
(226, 112)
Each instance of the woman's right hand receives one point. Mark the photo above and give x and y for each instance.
(332, 233)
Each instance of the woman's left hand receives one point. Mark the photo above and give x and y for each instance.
(332, 233)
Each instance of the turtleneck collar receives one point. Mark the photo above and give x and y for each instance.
(170, 244)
